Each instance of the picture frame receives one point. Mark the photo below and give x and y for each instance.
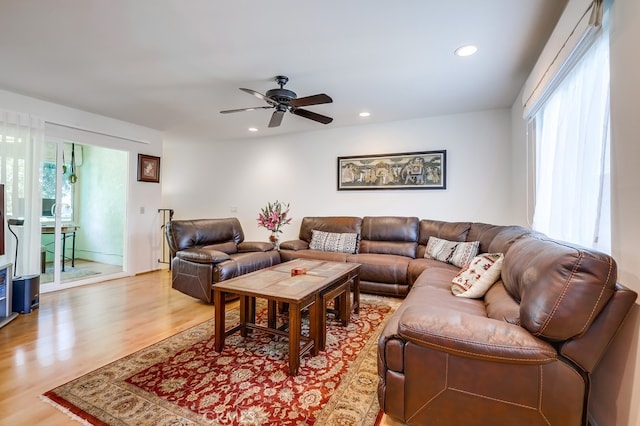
(407, 170)
(148, 168)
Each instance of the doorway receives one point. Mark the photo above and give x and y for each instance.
(84, 192)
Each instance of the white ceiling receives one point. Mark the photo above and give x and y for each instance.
(173, 65)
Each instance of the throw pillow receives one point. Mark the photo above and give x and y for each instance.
(455, 252)
(334, 241)
(474, 280)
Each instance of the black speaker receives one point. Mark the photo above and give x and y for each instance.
(26, 293)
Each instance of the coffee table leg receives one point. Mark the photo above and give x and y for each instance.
(295, 328)
(356, 294)
(252, 310)
(344, 304)
(219, 327)
(320, 308)
(245, 314)
(271, 314)
(315, 330)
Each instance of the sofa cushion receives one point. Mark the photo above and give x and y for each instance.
(345, 242)
(243, 263)
(496, 238)
(202, 255)
(382, 268)
(474, 280)
(248, 246)
(390, 228)
(500, 305)
(183, 234)
(228, 247)
(418, 266)
(389, 235)
(452, 231)
(332, 256)
(561, 287)
(329, 224)
(454, 252)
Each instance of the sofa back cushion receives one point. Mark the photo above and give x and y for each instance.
(450, 231)
(389, 235)
(336, 224)
(495, 238)
(561, 287)
(221, 234)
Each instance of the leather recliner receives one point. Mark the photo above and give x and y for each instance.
(207, 251)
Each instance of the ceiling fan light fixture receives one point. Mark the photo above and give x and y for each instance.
(253, 129)
(466, 50)
(283, 101)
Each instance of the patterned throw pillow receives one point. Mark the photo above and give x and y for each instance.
(333, 241)
(454, 252)
(477, 278)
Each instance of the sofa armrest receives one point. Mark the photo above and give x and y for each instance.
(249, 246)
(294, 245)
(473, 336)
(202, 255)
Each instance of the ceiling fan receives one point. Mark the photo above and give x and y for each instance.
(284, 100)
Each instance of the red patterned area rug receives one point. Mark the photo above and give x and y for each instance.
(183, 381)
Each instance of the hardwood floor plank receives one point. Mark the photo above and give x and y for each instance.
(77, 330)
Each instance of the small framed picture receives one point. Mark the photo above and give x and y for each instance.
(148, 168)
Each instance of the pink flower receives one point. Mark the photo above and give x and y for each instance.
(274, 216)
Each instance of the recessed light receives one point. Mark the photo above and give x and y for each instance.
(467, 50)
(365, 114)
(253, 129)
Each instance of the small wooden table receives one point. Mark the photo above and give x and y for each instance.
(276, 285)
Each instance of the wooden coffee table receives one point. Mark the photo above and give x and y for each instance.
(323, 281)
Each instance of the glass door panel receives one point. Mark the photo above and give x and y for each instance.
(83, 211)
(52, 173)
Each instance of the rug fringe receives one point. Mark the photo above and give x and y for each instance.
(65, 410)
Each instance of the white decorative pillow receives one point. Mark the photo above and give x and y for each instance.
(455, 252)
(333, 241)
(477, 278)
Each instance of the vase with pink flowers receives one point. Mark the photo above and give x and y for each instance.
(273, 217)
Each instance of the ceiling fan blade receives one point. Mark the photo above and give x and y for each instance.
(259, 96)
(312, 115)
(244, 109)
(320, 98)
(276, 118)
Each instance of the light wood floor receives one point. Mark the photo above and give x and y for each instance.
(77, 330)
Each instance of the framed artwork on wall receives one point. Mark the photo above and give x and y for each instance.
(409, 170)
(148, 168)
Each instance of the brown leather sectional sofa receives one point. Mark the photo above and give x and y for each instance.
(522, 354)
(207, 251)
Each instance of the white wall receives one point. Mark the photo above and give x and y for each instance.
(204, 179)
(143, 237)
(615, 393)
(617, 382)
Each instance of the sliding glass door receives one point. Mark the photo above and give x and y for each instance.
(83, 211)
(52, 180)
